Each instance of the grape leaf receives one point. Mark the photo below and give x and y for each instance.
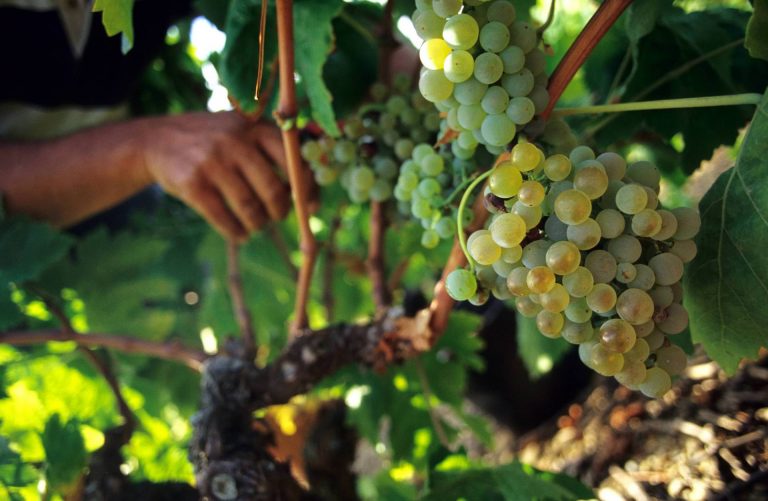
(65, 454)
(757, 31)
(539, 353)
(314, 39)
(117, 17)
(13, 471)
(727, 284)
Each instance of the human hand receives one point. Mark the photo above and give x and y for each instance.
(222, 166)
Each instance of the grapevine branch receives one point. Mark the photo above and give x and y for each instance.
(236, 292)
(286, 116)
(663, 104)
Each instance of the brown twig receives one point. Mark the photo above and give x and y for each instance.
(169, 350)
(605, 17)
(237, 294)
(286, 116)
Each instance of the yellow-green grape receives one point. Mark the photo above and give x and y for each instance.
(434, 86)
(508, 230)
(526, 307)
(646, 223)
(459, 66)
(550, 324)
(580, 154)
(625, 248)
(461, 284)
(579, 282)
(577, 333)
(617, 335)
(433, 53)
(688, 223)
(602, 265)
(585, 352)
(625, 273)
(602, 298)
(686, 250)
(502, 268)
(505, 180)
(531, 215)
(531, 193)
(578, 311)
(475, 235)
(614, 164)
(645, 173)
(644, 329)
(657, 383)
(591, 179)
(611, 223)
(557, 167)
(585, 235)
(484, 250)
(563, 258)
(635, 306)
(667, 267)
(501, 11)
(512, 254)
(655, 339)
(653, 198)
(645, 277)
(671, 359)
(461, 31)
(526, 156)
(517, 282)
(631, 199)
(556, 300)
(632, 374)
(540, 280)
(535, 253)
(639, 352)
(674, 319)
(428, 25)
(605, 361)
(572, 207)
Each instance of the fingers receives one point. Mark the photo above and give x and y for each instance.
(270, 140)
(206, 200)
(239, 196)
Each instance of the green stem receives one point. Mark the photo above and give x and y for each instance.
(460, 214)
(664, 104)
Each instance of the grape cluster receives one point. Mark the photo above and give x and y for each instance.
(584, 247)
(366, 159)
(482, 67)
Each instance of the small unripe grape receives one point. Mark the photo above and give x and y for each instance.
(540, 280)
(461, 284)
(550, 324)
(625, 273)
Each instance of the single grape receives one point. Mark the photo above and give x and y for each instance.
(646, 223)
(494, 36)
(573, 207)
(585, 352)
(488, 68)
(311, 151)
(501, 11)
(563, 258)
(526, 307)
(657, 383)
(625, 248)
(498, 130)
(632, 375)
(430, 239)
(512, 254)
(645, 278)
(518, 84)
(555, 300)
(381, 191)
(555, 229)
(579, 282)
(645, 173)
(615, 166)
(611, 223)
(484, 250)
(602, 265)
(688, 223)
(662, 296)
(432, 54)
(521, 110)
(631, 199)
(635, 306)
(470, 91)
(536, 61)
(580, 154)
(535, 253)
(526, 156)
(686, 250)
(540, 98)
(459, 66)
(470, 116)
(502, 268)
(625, 273)
(557, 167)
(655, 339)
(461, 284)
(549, 323)
(577, 333)
(667, 267)
(591, 180)
(531, 215)
(605, 361)
(513, 58)
(671, 359)
(446, 8)
(540, 280)
(602, 298)
(638, 353)
(434, 86)
(578, 311)
(495, 100)
(428, 25)
(506, 180)
(531, 193)
(668, 225)
(617, 335)
(585, 235)
(523, 35)
(517, 281)
(507, 230)
(643, 330)
(673, 320)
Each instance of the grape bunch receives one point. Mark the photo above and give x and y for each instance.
(483, 68)
(366, 159)
(583, 246)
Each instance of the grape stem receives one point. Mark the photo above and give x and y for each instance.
(460, 216)
(663, 104)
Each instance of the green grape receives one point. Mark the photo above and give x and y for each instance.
(540, 280)
(667, 267)
(445, 227)
(431, 121)
(632, 374)
(397, 104)
(540, 98)
(428, 188)
(459, 66)
(556, 300)
(645, 173)
(639, 352)
(674, 319)
(625, 273)
(345, 152)
(657, 383)
(671, 359)
(611, 223)
(408, 180)
(467, 140)
(635, 306)
(578, 311)
(488, 68)
(381, 191)
(362, 178)
(688, 223)
(430, 239)
(507, 230)
(591, 179)
(646, 223)
(602, 298)
(434, 86)
(577, 333)
(512, 254)
(494, 36)
(579, 282)
(470, 92)
(668, 225)
(461, 284)
(518, 84)
(498, 130)
(625, 248)
(602, 265)
(536, 61)
(523, 35)
(581, 154)
(526, 156)
(461, 31)
(643, 330)
(513, 58)
(471, 116)
(655, 339)
(402, 195)
(500, 290)
(631, 199)
(549, 323)
(433, 53)
(517, 282)
(531, 193)
(495, 100)
(311, 151)
(502, 268)
(484, 250)
(526, 307)
(644, 279)
(420, 208)
(325, 176)
(563, 258)
(572, 207)
(446, 8)
(617, 335)
(662, 296)
(585, 235)
(403, 148)
(615, 166)
(423, 5)
(421, 151)
(428, 25)
(557, 167)
(475, 235)
(686, 250)
(385, 167)
(453, 119)
(555, 229)
(605, 361)
(531, 215)
(521, 110)
(535, 253)
(359, 196)
(432, 165)
(501, 11)
(585, 352)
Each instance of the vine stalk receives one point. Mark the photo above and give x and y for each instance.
(663, 104)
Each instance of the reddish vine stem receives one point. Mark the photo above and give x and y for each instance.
(605, 17)
(237, 294)
(170, 350)
(286, 116)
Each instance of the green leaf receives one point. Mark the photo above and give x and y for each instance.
(117, 17)
(14, 472)
(10, 314)
(27, 248)
(65, 454)
(313, 34)
(727, 284)
(539, 353)
(757, 31)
